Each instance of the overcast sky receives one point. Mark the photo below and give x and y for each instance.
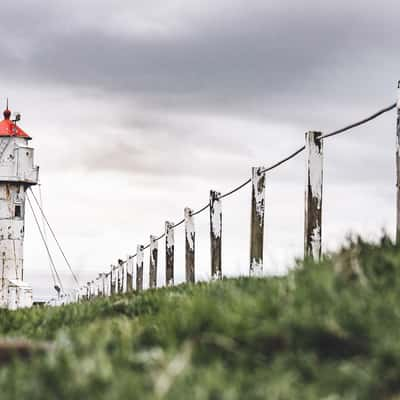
(138, 109)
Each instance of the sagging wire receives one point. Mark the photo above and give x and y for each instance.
(45, 244)
(55, 238)
(283, 161)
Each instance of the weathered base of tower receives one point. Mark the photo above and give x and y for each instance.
(15, 294)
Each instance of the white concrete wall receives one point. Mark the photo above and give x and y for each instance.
(17, 161)
(17, 173)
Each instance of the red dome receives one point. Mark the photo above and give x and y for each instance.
(9, 128)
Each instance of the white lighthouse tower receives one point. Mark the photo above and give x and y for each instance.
(17, 174)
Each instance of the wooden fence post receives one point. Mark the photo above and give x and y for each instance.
(112, 280)
(139, 268)
(398, 165)
(257, 221)
(120, 276)
(129, 273)
(125, 276)
(215, 235)
(189, 245)
(169, 253)
(105, 284)
(92, 289)
(97, 285)
(109, 284)
(153, 262)
(313, 196)
(116, 275)
(108, 287)
(100, 285)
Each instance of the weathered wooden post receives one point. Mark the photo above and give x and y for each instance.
(216, 234)
(120, 276)
(116, 274)
(107, 284)
(125, 276)
(95, 287)
(153, 262)
(98, 287)
(398, 165)
(92, 289)
(130, 268)
(104, 278)
(117, 279)
(169, 253)
(189, 245)
(139, 268)
(112, 280)
(257, 221)
(101, 287)
(313, 196)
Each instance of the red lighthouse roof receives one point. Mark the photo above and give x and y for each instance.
(10, 128)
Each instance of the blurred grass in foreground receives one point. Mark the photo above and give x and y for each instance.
(325, 331)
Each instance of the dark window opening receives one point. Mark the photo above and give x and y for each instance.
(18, 211)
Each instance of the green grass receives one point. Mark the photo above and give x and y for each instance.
(326, 331)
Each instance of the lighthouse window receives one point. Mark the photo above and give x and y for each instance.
(18, 211)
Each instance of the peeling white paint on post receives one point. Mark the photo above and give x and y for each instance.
(100, 285)
(398, 165)
(257, 221)
(153, 262)
(106, 285)
(169, 253)
(120, 276)
(103, 284)
(216, 234)
(90, 286)
(313, 196)
(112, 280)
(117, 279)
(125, 277)
(190, 236)
(87, 290)
(109, 284)
(97, 287)
(139, 268)
(130, 273)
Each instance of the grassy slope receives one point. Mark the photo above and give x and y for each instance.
(326, 331)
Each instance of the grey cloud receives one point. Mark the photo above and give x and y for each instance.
(308, 64)
(253, 62)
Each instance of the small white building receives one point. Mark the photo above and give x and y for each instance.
(17, 174)
(19, 294)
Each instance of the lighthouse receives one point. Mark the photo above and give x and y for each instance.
(17, 174)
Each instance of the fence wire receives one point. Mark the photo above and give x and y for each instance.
(277, 164)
